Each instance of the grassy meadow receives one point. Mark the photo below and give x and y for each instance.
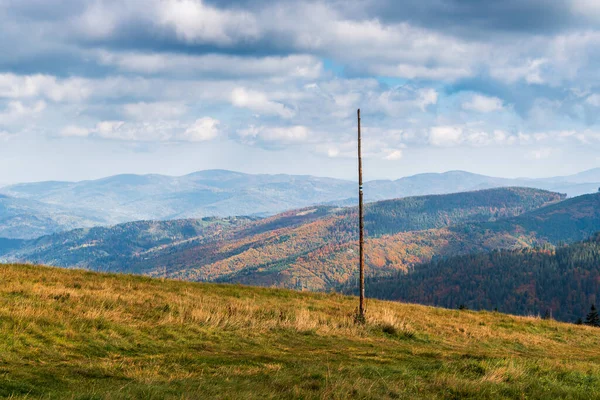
(67, 334)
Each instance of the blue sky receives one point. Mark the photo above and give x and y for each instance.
(95, 88)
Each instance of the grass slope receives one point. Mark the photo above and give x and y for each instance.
(83, 335)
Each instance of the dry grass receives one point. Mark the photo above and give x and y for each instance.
(75, 334)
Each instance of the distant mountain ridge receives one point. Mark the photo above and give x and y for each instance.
(35, 209)
(27, 218)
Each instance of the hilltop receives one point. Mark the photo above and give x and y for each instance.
(75, 334)
(310, 248)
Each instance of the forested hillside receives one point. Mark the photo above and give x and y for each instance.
(313, 248)
(111, 249)
(561, 283)
(570, 220)
(7, 245)
(331, 262)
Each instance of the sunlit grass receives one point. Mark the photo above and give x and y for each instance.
(75, 334)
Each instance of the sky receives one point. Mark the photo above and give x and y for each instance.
(95, 88)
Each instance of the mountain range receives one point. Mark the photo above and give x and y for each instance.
(503, 248)
(30, 210)
(311, 248)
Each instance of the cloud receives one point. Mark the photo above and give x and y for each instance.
(202, 130)
(154, 111)
(333, 152)
(259, 101)
(409, 71)
(17, 111)
(196, 22)
(586, 8)
(445, 136)
(98, 20)
(449, 136)
(406, 98)
(394, 155)
(528, 70)
(74, 131)
(541, 154)
(218, 65)
(290, 75)
(31, 86)
(593, 100)
(483, 104)
(274, 136)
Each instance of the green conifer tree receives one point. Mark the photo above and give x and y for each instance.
(593, 319)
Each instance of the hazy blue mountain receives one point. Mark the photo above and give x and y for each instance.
(46, 207)
(26, 219)
(460, 181)
(207, 193)
(591, 175)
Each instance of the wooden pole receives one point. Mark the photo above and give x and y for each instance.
(361, 307)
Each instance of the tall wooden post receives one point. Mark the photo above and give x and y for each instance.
(361, 307)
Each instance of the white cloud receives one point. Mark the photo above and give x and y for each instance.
(394, 155)
(445, 135)
(160, 131)
(112, 130)
(202, 130)
(513, 70)
(448, 136)
(75, 131)
(333, 152)
(154, 111)
(483, 104)
(410, 71)
(19, 112)
(396, 50)
(496, 137)
(541, 154)
(98, 20)
(593, 100)
(196, 22)
(259, 102)
(275, 135)
(30, 86)
(405, 98)
(427, 97)
(292, 66)
(586, 8)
